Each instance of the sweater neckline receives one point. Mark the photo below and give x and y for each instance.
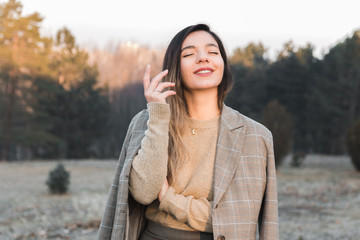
(202, 124)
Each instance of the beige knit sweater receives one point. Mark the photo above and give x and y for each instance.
(187, 203)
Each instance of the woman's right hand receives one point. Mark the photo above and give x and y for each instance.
(153, 90)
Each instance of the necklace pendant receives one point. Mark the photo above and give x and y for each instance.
(193, 131)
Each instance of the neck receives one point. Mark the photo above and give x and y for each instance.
(202, 105)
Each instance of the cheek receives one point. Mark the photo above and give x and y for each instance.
(221, 67)
(185, 69)
(220, 63)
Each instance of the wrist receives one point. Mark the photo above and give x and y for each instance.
(163, 191)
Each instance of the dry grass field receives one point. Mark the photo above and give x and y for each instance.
(319, 200)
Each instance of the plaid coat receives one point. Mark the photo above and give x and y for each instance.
(245, 192)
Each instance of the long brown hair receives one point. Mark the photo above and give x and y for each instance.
(179, 112)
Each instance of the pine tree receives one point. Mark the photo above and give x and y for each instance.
(23, 53)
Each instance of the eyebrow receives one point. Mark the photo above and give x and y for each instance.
(207, 45)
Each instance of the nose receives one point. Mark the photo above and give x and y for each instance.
(202, 57)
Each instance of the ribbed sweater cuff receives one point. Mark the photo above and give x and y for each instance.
(170, 199)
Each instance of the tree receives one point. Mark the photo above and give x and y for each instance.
(251, 56)
(280, 123)
(69, 62)
(48, 92)
(335, 101)
(76, 118)
(353, 144)
(23, 53)
(290, 81)
(248, 67)
(131, 101)
(58, 180)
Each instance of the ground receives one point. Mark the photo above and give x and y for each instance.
(319, 200)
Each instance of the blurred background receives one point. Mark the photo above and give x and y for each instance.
(70, 82)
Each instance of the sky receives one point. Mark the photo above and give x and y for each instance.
(323, 23)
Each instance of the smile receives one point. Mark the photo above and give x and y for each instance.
(204, 71)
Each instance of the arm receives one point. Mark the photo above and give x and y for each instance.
(268, 218)
(149, 167)
(195, 212)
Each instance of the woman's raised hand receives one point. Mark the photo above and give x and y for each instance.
(153, 90)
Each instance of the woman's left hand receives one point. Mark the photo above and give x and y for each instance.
(164, 189)
(153, 90)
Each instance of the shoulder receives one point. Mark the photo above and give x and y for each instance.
(138, 122)
(252, 127)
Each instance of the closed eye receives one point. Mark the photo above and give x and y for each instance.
(214, 53)
(186, 55)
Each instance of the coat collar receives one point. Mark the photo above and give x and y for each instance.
(228, 150)
(231, 119)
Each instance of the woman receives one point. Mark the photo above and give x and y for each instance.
(191, 167)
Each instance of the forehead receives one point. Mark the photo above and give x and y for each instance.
(199, 38)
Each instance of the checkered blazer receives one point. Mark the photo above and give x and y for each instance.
(245, 192)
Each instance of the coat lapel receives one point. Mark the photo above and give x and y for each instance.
(229, 145)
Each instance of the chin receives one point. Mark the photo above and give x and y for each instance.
(204, 88)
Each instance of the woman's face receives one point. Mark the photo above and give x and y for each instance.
(201, 64)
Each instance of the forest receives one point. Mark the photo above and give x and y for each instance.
(61, 101)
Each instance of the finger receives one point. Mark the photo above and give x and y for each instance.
(161, 86)
(146, 79)
(156, 79)
(166, 94)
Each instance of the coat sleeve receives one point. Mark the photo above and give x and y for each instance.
(268, 218)
(106, 225)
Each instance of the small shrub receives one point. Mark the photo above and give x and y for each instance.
(280, 124)
(297, 159)
(353, 144)
(58, 180)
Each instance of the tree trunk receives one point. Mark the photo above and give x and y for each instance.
(8, 121)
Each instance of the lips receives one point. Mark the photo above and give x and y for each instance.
(204, 71)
